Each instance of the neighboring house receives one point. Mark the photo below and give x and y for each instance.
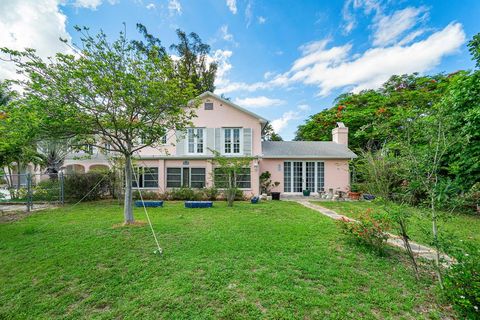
(183, 159)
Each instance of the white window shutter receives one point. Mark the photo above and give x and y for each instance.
(180, 143)
(247, 141)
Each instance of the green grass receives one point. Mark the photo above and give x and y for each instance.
(454, 228)
(275, 260)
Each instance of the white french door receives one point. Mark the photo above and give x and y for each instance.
(303, 175)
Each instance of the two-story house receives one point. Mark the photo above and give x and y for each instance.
(184, 158)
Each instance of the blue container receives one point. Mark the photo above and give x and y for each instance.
(198, 204)
(255, 200)
(150, 204)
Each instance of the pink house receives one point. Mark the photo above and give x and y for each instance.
(182, 159)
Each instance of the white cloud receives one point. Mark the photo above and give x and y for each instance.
(336, 67)
(225, 34)
(268, 75)
(304, 107)
(261, 20)
(232, 6)
(389, 28)
(150, 6)
(280, 123)
(174, 7)
(87, 4)
(222, 58)
(259, 102)
(34, 24)
(315, 52)
(248, 13)
(349, 17)
(375, 65)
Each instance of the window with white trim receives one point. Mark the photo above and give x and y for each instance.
(232, 140)
(147, 177)
(163, 140)
(242, 179)
(186, 177)
(195, 140)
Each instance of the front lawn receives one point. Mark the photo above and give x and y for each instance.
(271, 260)
(454, 228)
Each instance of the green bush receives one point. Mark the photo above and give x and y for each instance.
(184, 194)
(210, 193)
(47, 190)
(148, 195)
(91, 185)
(370, 229)
(462, 283)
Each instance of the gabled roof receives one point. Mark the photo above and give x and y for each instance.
(306, 149)
(230, 103)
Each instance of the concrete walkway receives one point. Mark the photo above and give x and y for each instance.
(393, 240)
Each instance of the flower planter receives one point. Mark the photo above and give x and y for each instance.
(275, 195)
(354, 195)
(306, 193)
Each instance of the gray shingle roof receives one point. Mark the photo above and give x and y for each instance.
(306, 149)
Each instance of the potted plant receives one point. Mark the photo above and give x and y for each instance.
(354, 193)
(306, 193)
(266, 186)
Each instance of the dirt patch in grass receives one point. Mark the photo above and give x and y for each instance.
(136, 223)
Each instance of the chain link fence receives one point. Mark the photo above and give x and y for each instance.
(32, 190)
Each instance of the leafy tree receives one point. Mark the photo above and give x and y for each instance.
(474, 48)
(270, 135)
(376, 117)
(194, 63)
(229, 168)
(54, 153)
(19, 131)
(119, 93)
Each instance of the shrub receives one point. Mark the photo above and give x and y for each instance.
(210, 193)
(370, 229)
(184, 194)
(462, 283)
(148, 195)
(47, 190)
(91, 185)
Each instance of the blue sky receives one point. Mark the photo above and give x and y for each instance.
(284, 60)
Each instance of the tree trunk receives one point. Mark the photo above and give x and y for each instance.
(128, 206)
(408, 248)
(436, 242)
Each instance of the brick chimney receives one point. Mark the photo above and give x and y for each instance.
(340, 134)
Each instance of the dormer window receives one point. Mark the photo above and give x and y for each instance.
(208, 105)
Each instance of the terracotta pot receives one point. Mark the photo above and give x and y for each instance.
(354, 195)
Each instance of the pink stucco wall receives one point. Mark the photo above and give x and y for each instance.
(337, 175)
(222, 115)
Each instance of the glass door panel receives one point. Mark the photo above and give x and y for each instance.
(310, 176)
(297, 176)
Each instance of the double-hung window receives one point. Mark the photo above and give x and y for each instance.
(147, 177)
(185, 177)
(241, 179)
(195, 140)
(232, 140)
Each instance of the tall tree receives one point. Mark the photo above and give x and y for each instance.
(194, 62)
(121, 94)
(374, 117)
(270, 135)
